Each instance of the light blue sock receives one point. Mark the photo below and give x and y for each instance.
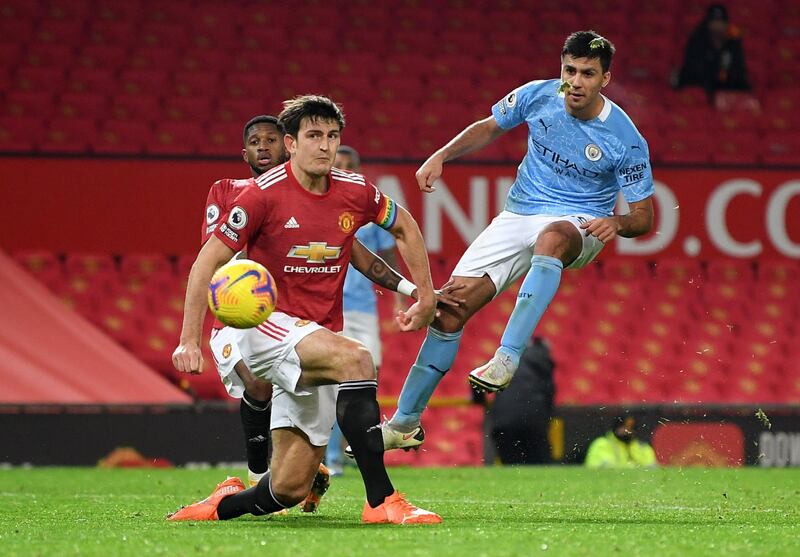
(433, 361)
(334, 456)
(535, 294)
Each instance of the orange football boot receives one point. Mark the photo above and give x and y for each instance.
(322, 481)
(207, 508)
(396, 510)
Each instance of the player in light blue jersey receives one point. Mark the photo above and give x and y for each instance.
(582, 150)
(359, 302)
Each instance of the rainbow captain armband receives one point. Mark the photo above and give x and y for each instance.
(387, 214)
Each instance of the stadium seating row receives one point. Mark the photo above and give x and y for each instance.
(94, 77)
(715, 332)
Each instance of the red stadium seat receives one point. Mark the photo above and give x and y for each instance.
(89, 264)
(641, 381)
(82, 105)
(236, 110)
(198, 83)
(776, 312)
(145, 265)
(68, 135)
(17, 134)
(737, 148)
(728, 293)
(137, 81)
(780, 148)
(223, 139)
(122, 137)
(91, 80)
(400, 88)
(123, 328)
(28, 104)
(58, 31)
(35, 78)
(693, 391)
(102, 56)
(730, 271)
(778, 270)
(188, 108)
(208, 59)
(246, 84)
(295, 85)
(687, 98)
(164, 34)
(43, 265)
(48, 55)
(779, 122)
(686, 147)
(176, 138)
(743, 389)
(626, 269)
(581, 388)
(678, 270)
(113, 32)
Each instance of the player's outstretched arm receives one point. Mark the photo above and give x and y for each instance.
(638, 221)
(473, 137)
(374, 267)
(187, 356)
(383, 273)
(412, 250)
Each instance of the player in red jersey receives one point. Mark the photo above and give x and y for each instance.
(299, 220)
(263, 150)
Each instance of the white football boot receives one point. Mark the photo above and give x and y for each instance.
(494, 375)
(393, 439)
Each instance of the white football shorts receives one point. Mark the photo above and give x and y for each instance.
(365, 328)
(268, 350)
(505, 248)
(225, 350)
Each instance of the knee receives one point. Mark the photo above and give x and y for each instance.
(450, 320)
(258, 389)
(354, 362)
(560, 240)
(289, 491)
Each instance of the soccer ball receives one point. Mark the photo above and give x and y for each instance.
(242, 294)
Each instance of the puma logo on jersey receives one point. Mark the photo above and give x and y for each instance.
(291, 223)
(545, 126)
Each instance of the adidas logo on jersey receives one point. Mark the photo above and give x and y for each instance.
(291, 223)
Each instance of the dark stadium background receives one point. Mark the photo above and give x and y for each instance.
(116, 117)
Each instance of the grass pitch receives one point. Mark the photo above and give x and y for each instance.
(487, 511)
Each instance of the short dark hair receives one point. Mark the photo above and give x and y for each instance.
(588, 44)
(350, 152)
(308, 106)
(262, 119)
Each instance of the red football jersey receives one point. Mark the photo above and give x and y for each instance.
(304, 239)
(219, 201)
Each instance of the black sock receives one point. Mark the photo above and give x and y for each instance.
(359, 418)
(255, 416)
(257, 500)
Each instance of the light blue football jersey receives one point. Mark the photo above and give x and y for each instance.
(573, 166)
(359, 291)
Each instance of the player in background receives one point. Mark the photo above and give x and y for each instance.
(360, 305)
(299, 220)
(582, 150)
